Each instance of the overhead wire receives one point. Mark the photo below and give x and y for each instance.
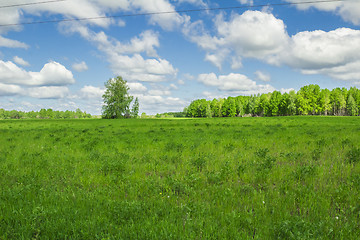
(32, 3)
(160, 13)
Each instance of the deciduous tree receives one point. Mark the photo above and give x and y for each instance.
(116, 99)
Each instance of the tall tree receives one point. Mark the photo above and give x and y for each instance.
(208, 111)
(324, 101)
(214, 105)
(351, 106)
(264, 104)
(135, 108)
(275, 101)
(337, 101)
(116, 98)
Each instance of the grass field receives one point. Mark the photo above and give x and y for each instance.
(225, 178)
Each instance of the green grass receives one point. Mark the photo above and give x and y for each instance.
(233, 178)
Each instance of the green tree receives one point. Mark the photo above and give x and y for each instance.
(275, 101)
(337, 101)
(2, 113)
(284, 103)
(116, 99)
(292, 103)
(43, 113)
(208, 110)
(229, 107)
(251, 104)
(79, 113)
(264, 104)
(214, 105)
(351, 106)
(135, 109)
(324, 101)
(239, 102)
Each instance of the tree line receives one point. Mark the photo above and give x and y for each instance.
(309, 100)
(43, 114)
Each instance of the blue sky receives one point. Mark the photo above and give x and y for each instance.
(171, 59)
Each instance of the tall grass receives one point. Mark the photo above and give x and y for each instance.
(234, 178)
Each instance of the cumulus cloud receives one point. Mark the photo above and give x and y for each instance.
(348, 10)
(334, 53)
(162, 103)
(80, 67)
(235, 83)
(136, 87)
(9, 43)
(9, 16)
(194, 2)
(51, 92)
(253, 34)
(262, 76)
(52, 74)
(166, 21)
(136, 68)
(125, 59)
(91, 92)
(10, 89)
(146, 42)
(21, 61)
(262, 36)
(249, 2)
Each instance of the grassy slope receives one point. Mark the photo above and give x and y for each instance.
(234, 178)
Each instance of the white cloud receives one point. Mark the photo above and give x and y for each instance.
(9, 43)
(136, 68)
(173, 86)
(21, 61)
(51, 92)
(160, 92)
(348, 10)
(136, 87)
(9, 16)
(91, 92)
(334, 53)
(74, 9)
(163, 104)
(166, 21)
(80, 67)
(260, 35)
(9, 89)
(52, 74)
(235, 83)
(125, 59)
(253, 34)
(248, 2)
(194, 2)
(145, 43)
(262, 76)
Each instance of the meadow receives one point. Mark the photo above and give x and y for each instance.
(224, 178)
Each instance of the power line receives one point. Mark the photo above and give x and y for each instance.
(33, 3)
(165, 12)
